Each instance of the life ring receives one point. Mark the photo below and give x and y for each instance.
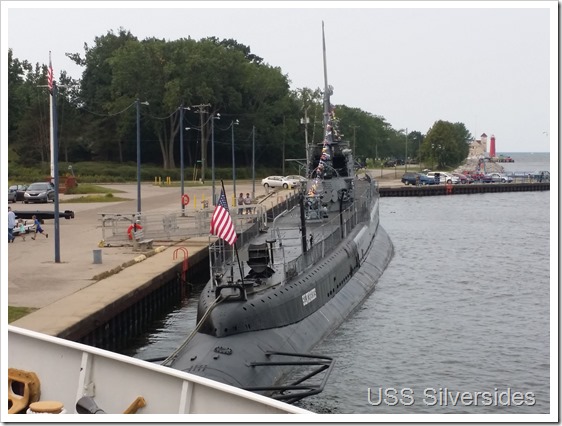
(185, 199)
(130, 229)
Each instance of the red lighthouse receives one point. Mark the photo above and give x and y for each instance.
(492, 146)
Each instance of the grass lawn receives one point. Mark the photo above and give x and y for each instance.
(15, 313)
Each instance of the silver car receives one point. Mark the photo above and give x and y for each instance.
(11, 195)
(39, 192)
(500, 177)
(301, 180)
(444, 177)
(278, 182)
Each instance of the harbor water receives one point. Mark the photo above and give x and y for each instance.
(458, 323)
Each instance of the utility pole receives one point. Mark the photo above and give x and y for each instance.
(233, 156)
(305, 121)
(284, 145)
(138, 104)
(202, 110)
(354, 139)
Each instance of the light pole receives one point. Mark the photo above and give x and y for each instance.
(354, 140)
(406, 158)
(432, 156)
(305, 121)
(181, 158)
(213, 118)
(419, 153)
(233, 156)
(138, 103)
(253, 162)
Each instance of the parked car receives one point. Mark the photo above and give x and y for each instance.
(298, 178)
(390, 163)
(464, 178)
(39, 192)
(278, 182)
(19, 191)
(11, 195)
(444, 177)
(480, 177)
(500, 177)
(412, 179)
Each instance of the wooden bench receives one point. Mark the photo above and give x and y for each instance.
(139, 243)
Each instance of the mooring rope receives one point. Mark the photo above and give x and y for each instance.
(173, 356)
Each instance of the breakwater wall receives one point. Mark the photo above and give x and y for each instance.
(432, 190)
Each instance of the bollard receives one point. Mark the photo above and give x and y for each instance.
(97, 256)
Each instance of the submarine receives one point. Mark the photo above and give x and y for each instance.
(292, 277)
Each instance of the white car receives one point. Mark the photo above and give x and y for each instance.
(500, 177)
(300, 180)
(444, 177)
(278, 182)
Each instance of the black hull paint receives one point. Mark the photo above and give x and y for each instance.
(227, 359)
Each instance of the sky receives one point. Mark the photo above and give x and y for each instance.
(490, 65)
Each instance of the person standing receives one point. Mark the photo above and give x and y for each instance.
(240, 203)
(11, 225)
(247, 202)
(21, 227)
(38, 228)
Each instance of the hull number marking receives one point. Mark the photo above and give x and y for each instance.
(308, 297)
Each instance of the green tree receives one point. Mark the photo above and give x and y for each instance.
(17, 96)
(29, 125)
(97, 115)
(370, 134)
(446, 144)
(107, 134)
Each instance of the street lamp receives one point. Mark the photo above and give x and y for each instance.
(138, 103)
(233, 156)
(253, 162)
(213, 118)
(181, 157)
(406, 158)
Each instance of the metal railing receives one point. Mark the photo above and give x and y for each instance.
(175, 225)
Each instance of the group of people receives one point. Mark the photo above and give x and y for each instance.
(247, 200)
(13, 223)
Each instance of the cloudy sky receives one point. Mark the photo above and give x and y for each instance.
(492, 66)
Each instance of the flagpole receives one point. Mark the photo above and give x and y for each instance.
(52, 135)
(55, 169)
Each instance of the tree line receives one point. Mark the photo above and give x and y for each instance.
(220, 90)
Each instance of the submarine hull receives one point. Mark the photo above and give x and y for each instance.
(231, 359)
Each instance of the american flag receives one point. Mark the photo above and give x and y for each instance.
(221, 222)
(50, 75)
